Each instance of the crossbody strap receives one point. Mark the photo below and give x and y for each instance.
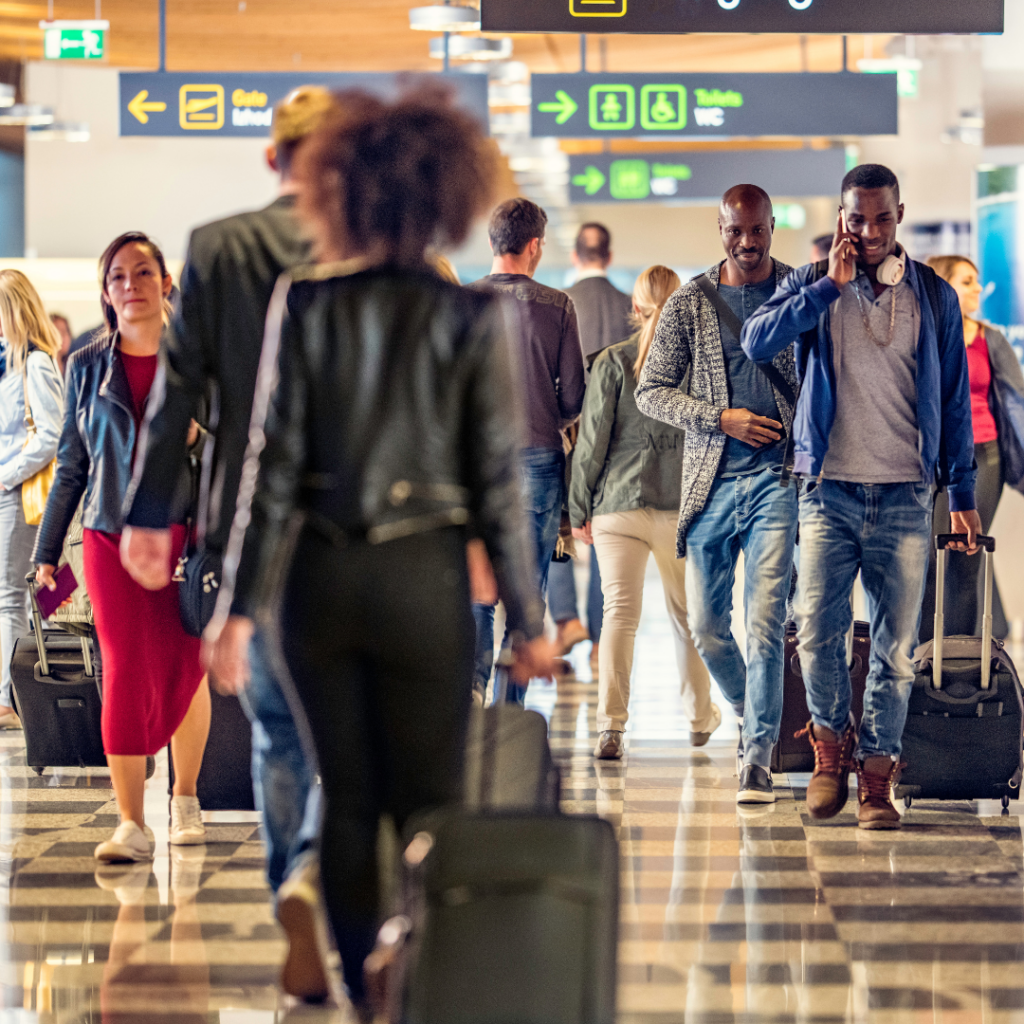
(732, 321)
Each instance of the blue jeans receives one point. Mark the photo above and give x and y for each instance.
(752, 514)
(542, 473)
(884, 531)
(17, 539)
(562, 595)
(284, 783)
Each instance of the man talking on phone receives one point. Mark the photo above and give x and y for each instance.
(884, 417)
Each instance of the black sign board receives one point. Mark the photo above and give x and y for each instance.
(675, 176)
(713, 105)
(921, 17)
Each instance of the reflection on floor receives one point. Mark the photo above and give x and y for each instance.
(727, 915)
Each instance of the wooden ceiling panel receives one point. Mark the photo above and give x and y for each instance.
(355, 35)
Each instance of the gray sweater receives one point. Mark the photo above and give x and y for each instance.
(684, 383)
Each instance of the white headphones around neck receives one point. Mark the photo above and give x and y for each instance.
(891, 270)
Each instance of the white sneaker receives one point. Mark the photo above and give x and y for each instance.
(300, 912)
(187, 828)
(128, 844)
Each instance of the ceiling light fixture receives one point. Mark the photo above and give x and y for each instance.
(471, 48)
(26, 114)
(444, 18)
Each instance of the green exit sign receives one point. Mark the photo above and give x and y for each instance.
(74, 40)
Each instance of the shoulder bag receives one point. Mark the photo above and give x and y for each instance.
(36, 489)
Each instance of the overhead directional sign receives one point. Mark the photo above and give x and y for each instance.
(922, 17)
(702, 175)
(205, 104)
(714, 105)
(74, 40)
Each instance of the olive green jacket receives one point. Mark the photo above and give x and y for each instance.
(623, 459)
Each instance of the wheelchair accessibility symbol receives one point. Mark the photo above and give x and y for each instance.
(663, 107)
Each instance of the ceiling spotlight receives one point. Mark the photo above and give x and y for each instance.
(26, 114)
(6, 95)
(60, 131)
(472, 48)
(445, 18)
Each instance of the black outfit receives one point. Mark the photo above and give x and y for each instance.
(603, 313)
(215, 338)
(999, 462)
(390, 429)
(95, 453)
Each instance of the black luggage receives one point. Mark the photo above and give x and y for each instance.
(508, 759)
(225, 778)
(511, 919)
(58, 698)
(796, 755)
(965, 721)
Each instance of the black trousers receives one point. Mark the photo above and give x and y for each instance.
(379, 642)
(965, 580)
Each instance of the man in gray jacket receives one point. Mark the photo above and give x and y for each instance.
(736, 414)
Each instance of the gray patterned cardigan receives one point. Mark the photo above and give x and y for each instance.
(688, 347)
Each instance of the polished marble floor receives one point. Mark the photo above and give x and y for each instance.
(728, 915)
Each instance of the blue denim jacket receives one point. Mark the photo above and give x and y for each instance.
(18, 460)
(800, 310)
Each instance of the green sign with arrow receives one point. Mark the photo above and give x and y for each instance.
(563, 105)
(591, 180)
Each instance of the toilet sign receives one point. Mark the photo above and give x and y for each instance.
(204, 104)
(710, 105)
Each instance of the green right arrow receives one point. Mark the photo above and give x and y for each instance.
(563, 105)
(592, 180)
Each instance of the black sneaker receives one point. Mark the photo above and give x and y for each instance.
(755, 786)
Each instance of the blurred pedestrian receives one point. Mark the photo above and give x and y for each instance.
(31, 415)
(820, 248)
(388, 433)
(63, 325)
(624, 500)
(997, 414)
(154, 692)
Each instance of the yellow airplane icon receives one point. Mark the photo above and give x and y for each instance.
(201, 107)
(140, 109)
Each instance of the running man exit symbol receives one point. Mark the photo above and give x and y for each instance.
(663, 107)
(612, 108)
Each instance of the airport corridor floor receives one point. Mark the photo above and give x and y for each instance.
(728, 915)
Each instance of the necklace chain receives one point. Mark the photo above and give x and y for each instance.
(867, 322)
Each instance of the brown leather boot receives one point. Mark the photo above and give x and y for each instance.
(874, 794)
(829, 788)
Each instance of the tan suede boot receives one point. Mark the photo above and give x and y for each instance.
(874, 794)
(829, 788)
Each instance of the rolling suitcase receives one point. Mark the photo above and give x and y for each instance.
(508, 759)
(792, 754)
(57, 696)
(965, 719)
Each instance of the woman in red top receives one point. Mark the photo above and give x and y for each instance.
(996, 379)
(153, 688)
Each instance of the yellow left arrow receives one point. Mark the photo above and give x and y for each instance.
(140, 109)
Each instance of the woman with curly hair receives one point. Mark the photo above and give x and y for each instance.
(387, 437)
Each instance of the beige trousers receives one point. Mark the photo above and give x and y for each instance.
(624, 541)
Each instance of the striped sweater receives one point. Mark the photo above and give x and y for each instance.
(684, 383)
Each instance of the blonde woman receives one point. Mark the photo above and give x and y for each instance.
(997, 416)
(624, 499)
(29, 347)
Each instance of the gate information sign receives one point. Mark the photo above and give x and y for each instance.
(205, 104)
(674, 176)
(710, 105)
(921, 17)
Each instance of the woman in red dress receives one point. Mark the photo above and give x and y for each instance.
(153, 687)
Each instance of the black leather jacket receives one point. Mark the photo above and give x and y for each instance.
(94, 456)
(395, 413)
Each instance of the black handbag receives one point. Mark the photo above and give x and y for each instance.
(198, 572)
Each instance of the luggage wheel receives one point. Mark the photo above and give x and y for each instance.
(1006, 804)
(38, 771)
(907, 801)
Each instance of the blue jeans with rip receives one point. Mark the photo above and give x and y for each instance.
(757, 516)
(543, 491)
(284, 782)
(562, 601)
(884, 532)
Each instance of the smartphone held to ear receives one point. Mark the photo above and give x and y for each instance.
(892, 269)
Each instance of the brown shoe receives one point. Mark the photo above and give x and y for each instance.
(874, 794)
(570, 633)
(829, 788)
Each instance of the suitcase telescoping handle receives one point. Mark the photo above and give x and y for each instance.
(37, 629)
(943, 541)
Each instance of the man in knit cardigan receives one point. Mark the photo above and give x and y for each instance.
(736, 415)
